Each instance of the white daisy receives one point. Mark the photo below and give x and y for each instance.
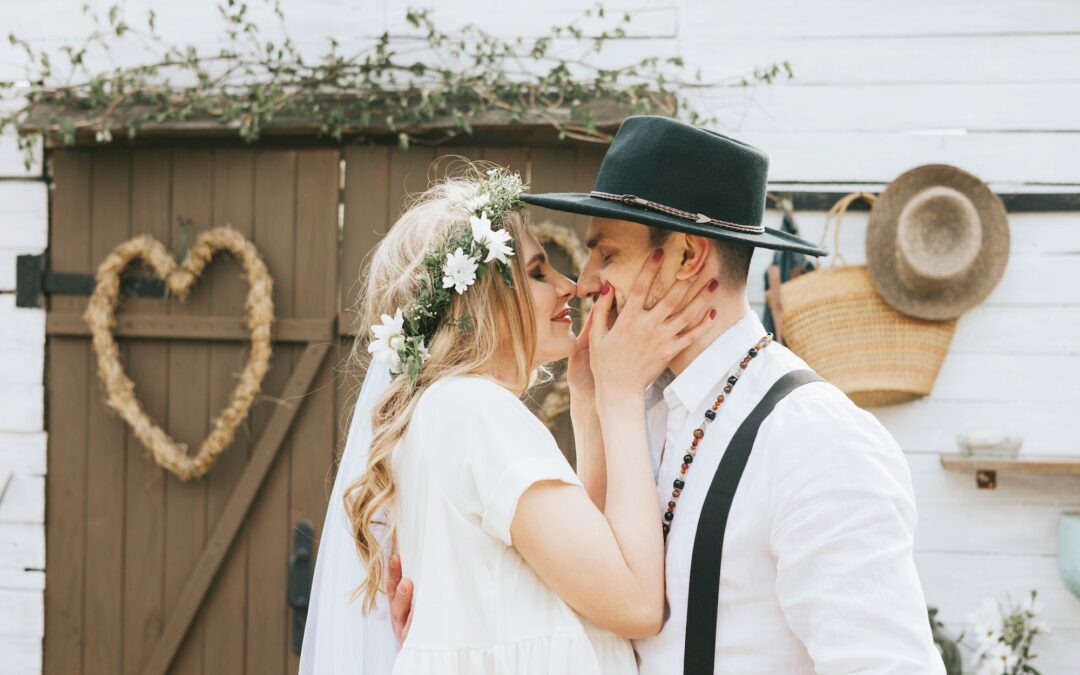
(495, 241)
(389, 338)
(459, 271)
(478, 202)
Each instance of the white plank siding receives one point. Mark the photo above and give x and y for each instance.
(991, 86)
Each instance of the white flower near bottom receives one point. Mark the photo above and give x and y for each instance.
(495, 241)
(459, 271)
(423, 351)
(999, 660)
(389, 339)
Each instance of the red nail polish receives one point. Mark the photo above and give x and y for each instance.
(606, 288)
(712, 313)
(658, 254)
(713, 284)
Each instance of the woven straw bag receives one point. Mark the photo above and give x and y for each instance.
(836, 321)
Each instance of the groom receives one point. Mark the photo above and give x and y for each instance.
(807, 566)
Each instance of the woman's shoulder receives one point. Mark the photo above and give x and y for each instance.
(471, 396)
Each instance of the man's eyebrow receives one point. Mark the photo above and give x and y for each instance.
(593, 242)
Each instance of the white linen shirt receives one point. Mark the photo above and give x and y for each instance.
(817, 573)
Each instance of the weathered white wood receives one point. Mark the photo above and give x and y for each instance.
(23, 615)
(21, 363)
(992, 377)
(1019, 516)
(12, 159)
(28, 580)
(956, 583)
(932, 424)
(1029, 280)
(860, 108)
(22, 655)
(23, 453)
(22, 499)
(881, 156)
(22, 407)
(1043, 234)
(20, 325)
(917, 59)
(782, 18)
(24, 220)
(22, 547)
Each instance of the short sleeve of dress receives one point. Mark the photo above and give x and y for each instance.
(488, 449)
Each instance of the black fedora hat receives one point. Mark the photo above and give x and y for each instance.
(668, 174)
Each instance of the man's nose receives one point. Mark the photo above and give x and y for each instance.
(588, 282)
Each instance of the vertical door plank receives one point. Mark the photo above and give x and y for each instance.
(223, 614)
(68, 382)
(367, 214)
(268, 524)
(367, 218)
(148, 367)
(317, 192)
(189, 363)
(105, 447)
(409, 174)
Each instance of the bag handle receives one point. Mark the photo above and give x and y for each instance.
(836, 214)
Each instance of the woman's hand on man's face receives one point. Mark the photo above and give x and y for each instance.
(640, 343)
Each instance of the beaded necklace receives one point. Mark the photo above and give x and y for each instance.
(699, 433)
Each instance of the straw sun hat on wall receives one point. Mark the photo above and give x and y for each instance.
(937, 242)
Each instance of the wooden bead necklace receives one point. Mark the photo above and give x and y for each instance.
(699, 433)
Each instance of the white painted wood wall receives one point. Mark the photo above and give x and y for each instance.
(992, 86)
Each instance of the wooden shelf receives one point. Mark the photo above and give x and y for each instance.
(1026, 464)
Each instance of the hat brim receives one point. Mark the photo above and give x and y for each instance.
(585, 204)
(963, 293)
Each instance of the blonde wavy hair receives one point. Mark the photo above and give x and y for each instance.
(502, 325)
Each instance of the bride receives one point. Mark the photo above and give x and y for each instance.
(519, 564)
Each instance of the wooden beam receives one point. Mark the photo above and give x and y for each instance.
(236, 510)
(192, 327)
(1065, 465)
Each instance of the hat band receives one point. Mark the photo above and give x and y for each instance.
(700, 218)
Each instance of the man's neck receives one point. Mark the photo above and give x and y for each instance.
(730, 308)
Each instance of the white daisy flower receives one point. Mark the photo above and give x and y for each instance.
(495, 241)
(459, 271)
(423, 350)
(478, 202)
(389, 338)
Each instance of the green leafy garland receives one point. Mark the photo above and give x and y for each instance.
(426, 87)
(458, 262)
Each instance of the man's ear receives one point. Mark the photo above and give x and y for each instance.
(695, 251)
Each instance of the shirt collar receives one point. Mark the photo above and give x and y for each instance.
(704, 374)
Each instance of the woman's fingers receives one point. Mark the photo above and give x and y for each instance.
(599, 314)
(640, 290)
(691, 313)
(688, 337)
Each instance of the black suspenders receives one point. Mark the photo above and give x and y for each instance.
(701, 612)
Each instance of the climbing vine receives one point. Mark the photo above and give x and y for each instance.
(428, 85)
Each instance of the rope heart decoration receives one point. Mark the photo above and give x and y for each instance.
(100, 316)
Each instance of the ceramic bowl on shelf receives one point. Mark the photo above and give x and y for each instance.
(989, 445)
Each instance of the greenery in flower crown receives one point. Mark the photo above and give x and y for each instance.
(424, 87)
(449, 269)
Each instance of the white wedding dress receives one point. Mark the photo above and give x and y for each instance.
(471, 450)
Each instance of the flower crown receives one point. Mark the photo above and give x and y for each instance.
(400, 341)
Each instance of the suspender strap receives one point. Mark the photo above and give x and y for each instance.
(704, 594)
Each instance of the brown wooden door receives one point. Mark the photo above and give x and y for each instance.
(123, 537)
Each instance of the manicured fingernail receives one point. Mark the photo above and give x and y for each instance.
(712, 313)
(658, 254)
(713, 284)
(606, 288)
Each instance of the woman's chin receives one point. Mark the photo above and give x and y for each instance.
(558, 347)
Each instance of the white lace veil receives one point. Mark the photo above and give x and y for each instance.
(339, 639)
